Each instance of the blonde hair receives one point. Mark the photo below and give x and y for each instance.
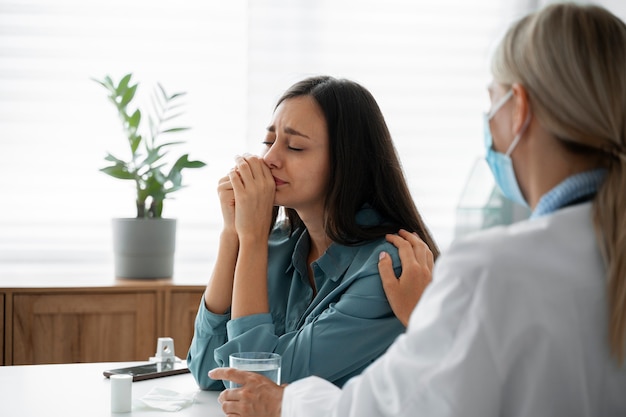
(571, 59)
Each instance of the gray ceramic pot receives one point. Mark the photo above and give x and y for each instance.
(144, 248)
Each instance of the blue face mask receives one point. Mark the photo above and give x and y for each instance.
(500, 164)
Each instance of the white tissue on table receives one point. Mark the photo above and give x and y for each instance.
(167, 400)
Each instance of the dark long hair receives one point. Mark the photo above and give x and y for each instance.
(364, 165)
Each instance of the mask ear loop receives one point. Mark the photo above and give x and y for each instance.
(499, 104)
(517, 137)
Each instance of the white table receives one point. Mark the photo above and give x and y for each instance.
(81, 390)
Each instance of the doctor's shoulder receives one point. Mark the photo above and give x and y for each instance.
(502, 250)
(482, 254)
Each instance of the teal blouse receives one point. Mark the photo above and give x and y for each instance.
(334, 335)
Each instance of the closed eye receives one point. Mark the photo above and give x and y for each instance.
(291, 148)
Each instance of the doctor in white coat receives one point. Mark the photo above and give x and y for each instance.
(525, 320)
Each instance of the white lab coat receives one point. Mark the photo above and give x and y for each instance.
(513, 324)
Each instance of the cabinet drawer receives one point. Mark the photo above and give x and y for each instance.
(83, 327)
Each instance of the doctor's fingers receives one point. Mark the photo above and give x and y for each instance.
(387, 274)
(258, 396)
(416, 264)
(403, 293)
(249, 407)
(422, 252)
(410, 257)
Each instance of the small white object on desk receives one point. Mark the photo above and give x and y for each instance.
(165, 352)
(166, 399)
(121, 393)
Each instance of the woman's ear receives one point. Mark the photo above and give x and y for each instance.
(521, 111)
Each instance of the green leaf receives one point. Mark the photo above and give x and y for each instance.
(154, 129)
(175, 177)
(195, 164)
(162, 91)
(159, 178)
(123, 85)
(128, 95)
(135, 119)
(100, 82)
(169, 117)
(180, 164)
(152, 156)
(135, 141)
(147, 172)
(173, 189)
(175, 129)
(159, 100)
(109, 83)
(112, 158)
(118, 171)
(177, 95)
(106, 82)
(163, 145)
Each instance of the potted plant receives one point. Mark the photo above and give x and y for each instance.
(144, 246)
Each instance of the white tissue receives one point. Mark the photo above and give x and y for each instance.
(167, 400)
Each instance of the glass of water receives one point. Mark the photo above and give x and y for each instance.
(263, 363)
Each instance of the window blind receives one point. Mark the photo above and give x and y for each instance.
(56, 124)
(425, 62)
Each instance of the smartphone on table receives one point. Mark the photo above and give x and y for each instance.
(150, 370)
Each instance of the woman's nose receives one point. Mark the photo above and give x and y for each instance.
(271, 156)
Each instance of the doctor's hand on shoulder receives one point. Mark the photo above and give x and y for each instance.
(405, 291)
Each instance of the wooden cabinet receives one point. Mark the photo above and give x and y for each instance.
(62, 328)
(2, 328)
(181, 309)
(115, 323)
